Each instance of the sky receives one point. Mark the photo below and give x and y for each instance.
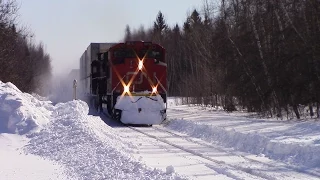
(66, 27)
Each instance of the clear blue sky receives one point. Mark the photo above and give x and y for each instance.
(66, 27)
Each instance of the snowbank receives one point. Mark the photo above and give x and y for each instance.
(282, 145)
(89, 147)
(20, 112)
(73, 144)
(294, 142)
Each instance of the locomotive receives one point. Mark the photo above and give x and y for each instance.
(127, 80)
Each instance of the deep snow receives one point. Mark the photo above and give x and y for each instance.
(16, 165)
(291, 141)
(40, 140)
(82, 146)
(21, 112)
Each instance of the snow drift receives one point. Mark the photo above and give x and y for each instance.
(88, 146)
(65, 134)
(20, 112)
(296, 143)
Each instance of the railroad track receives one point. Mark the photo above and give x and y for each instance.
(216, 165)
(286, 166)
(223, 167)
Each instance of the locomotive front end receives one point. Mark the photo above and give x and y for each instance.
(139, 83)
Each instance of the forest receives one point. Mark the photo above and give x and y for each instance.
(254, 55)
(257, 55)
(22, 61)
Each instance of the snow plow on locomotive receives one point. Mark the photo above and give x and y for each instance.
(127, 80)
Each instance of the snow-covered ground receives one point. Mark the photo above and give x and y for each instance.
(202, 143)
(42, 141)
(296, 142)
(39, 140)
(21, 114)
(15, 164)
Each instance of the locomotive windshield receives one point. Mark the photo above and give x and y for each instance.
(121, 54)
(154, 54)
(124, 53)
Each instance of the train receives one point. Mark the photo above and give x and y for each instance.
(126, 80)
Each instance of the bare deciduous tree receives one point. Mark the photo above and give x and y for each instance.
(258, 55)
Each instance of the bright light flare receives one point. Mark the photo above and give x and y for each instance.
(154, 90)
(140, 66)
(126, 89)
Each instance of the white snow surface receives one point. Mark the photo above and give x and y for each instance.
(16, 165)
(21, 112)
(39, 140)
(141, 109)
(62, 142)
(295, 142)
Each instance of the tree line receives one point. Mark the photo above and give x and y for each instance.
(258, 55)
(22, 62)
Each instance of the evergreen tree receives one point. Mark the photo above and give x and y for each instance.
(160, 25)
(195, 18)
(127, 36)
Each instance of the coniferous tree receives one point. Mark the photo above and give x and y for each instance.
(128, 35)
(159, 27)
